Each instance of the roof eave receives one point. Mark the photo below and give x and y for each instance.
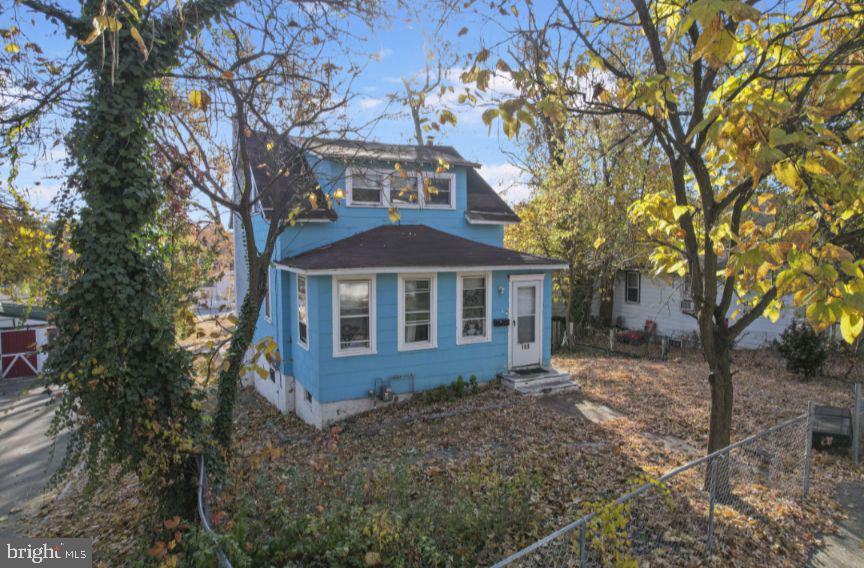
(415, 269)
(505, 219)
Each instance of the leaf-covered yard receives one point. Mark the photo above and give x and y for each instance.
(466, 481)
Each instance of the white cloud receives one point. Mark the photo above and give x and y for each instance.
(508, 180)
(468, 113)
(370, 102)
(382, 54)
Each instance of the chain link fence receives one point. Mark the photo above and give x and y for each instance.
(857, 441)
(691, 512)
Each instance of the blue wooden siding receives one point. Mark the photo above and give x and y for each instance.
(343, 378)
(331, 379)
(353, 220)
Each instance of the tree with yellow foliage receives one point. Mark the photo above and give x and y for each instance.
(756, 108)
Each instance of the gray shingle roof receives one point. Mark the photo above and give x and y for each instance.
(484, 203)
(348, 150)
(22, 311)
(292, 187)
(396, 246)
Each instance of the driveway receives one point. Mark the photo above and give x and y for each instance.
(25, 451)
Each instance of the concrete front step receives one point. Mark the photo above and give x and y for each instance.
(541, 383)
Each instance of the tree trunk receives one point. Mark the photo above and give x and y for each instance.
(716, 348)
(720, 379)
(223, 423)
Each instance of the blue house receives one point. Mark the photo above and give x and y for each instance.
(365, 310)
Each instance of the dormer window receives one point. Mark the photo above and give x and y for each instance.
(404, 189)
(366, 188)
(440, 190)
(383, 188)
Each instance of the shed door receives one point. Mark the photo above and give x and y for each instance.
(526, 323)
(18, 353)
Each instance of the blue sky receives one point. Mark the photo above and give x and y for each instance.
(401, 47)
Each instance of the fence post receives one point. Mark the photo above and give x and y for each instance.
(712, 490)
(611, 340)
(582, 545)
(856, 423)
(808, 449)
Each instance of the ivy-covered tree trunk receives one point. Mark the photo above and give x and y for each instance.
(229, 377)
(130, 398)
(241, 340)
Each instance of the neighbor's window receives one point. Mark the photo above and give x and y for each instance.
(417, 308)
(355, 316)
(302, 317)
(473, 305)
(439, 190)
(633, 281)
(267, 308)
(366, 188)
(403, 189)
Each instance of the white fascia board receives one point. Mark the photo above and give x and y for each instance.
(420, 269)
(484, 222)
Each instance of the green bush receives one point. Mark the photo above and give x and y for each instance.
(803, 349)
(457, 389)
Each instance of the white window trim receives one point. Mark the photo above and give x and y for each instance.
(256, 205)
(385, 189)
(638, 287)
(447, 176)
(300, 342)
(338, 351)
(268, 298)
(433, 316)
(349, 187)
(459, 288)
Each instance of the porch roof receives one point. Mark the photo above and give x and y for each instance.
(403, 248)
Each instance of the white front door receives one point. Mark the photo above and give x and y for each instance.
(526, 322)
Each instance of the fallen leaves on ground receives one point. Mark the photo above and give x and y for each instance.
(576, 461)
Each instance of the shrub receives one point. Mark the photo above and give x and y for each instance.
(379, 517)
(803, 349)
(472, 382)
(457, 389)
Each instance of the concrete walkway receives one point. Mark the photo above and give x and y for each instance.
(25, 451)
(844, 549)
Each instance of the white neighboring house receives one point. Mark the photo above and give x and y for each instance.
(639, 296)
(218, 296)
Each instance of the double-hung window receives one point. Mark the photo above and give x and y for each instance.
(366, 187)
(403, 189)
(632, 285)
(439, 190)
(302, 315)
(354, 316)
(417, 312)
(382, 188)
(473, 307)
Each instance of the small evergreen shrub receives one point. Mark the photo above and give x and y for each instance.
(455, 390)
(472, 382)
(803, 349)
